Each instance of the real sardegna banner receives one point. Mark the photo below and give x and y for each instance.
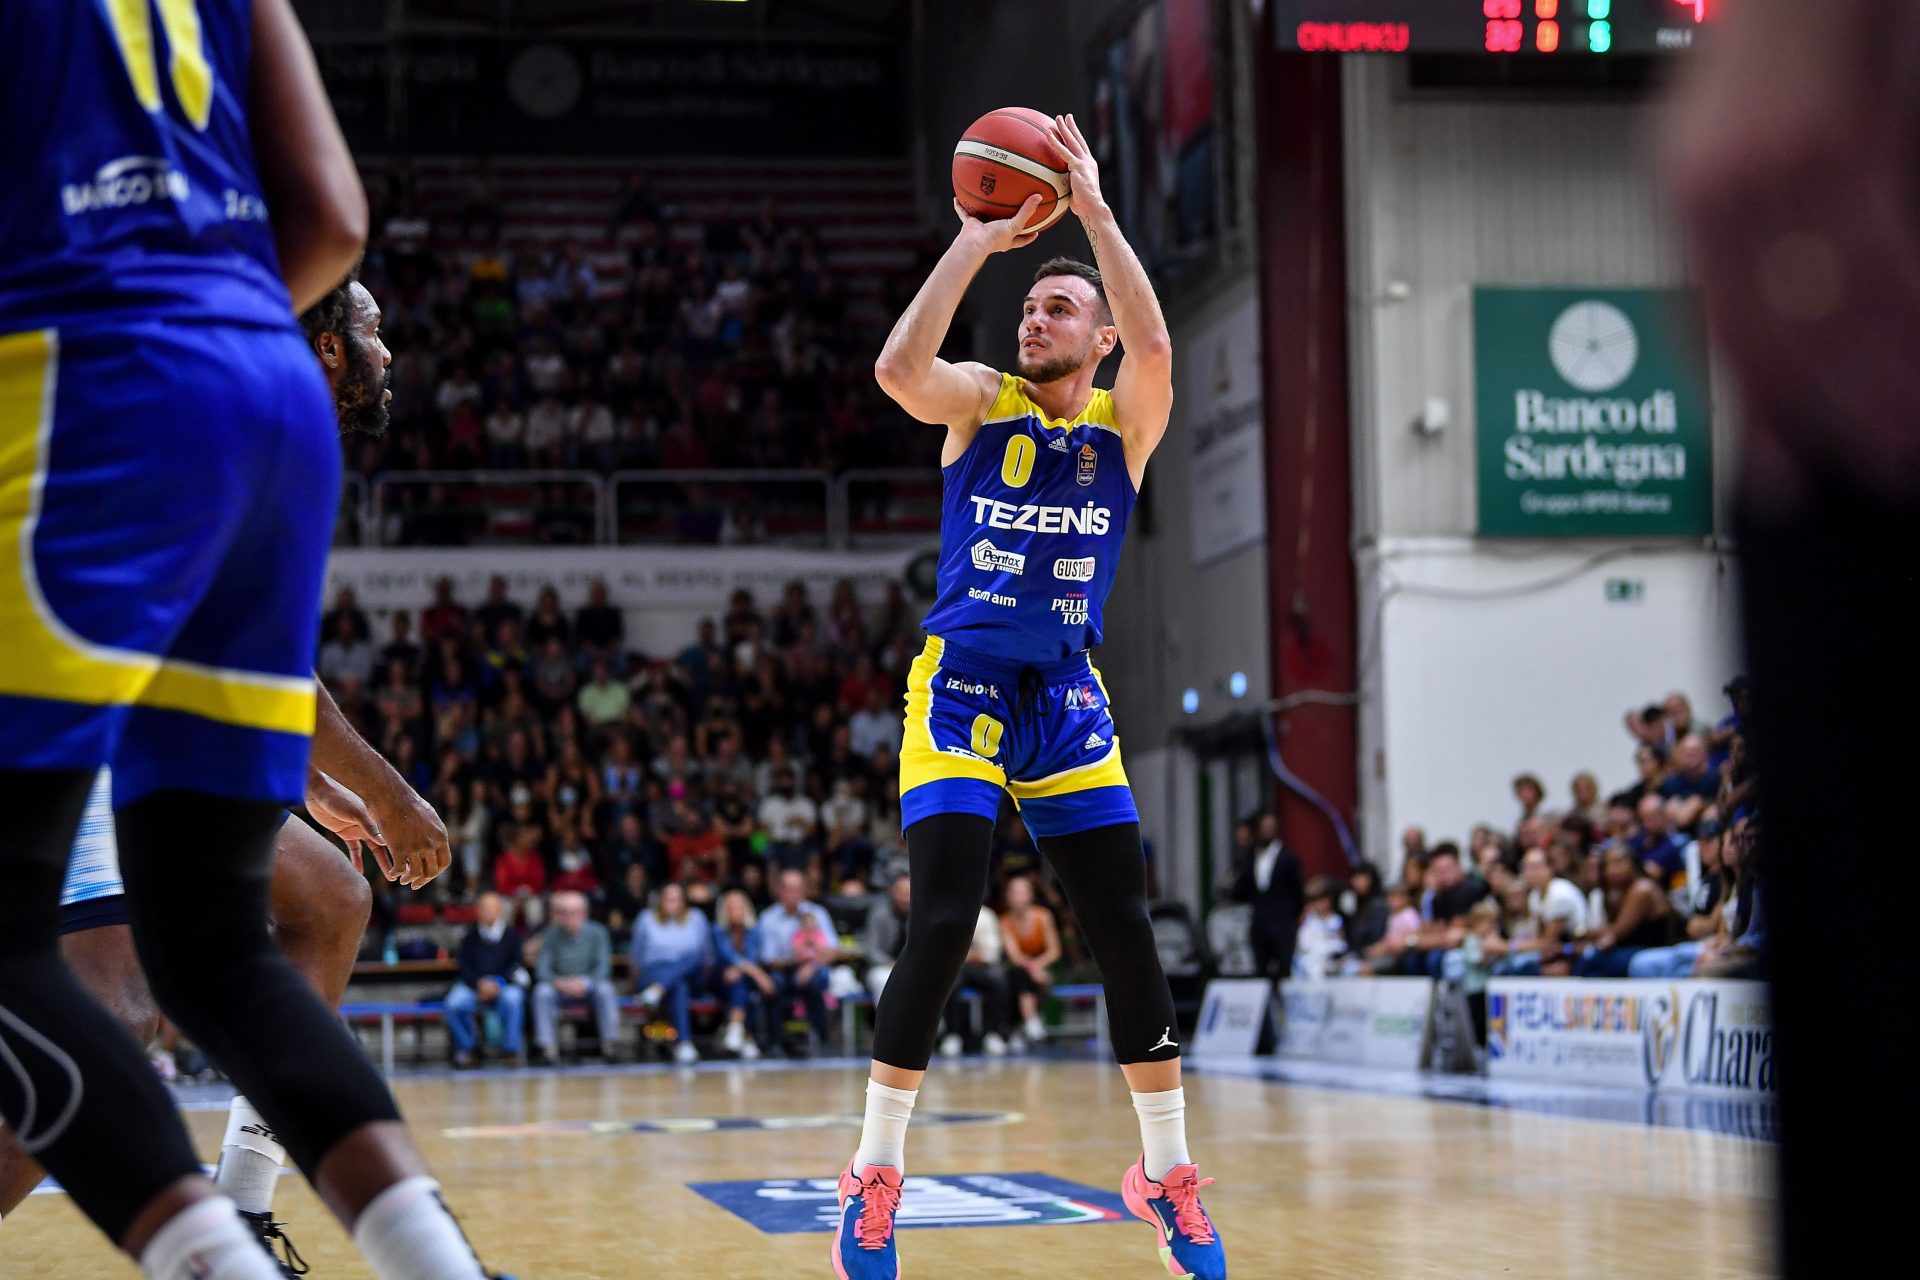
(1695, 1036)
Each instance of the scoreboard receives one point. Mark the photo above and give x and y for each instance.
(1536, 27)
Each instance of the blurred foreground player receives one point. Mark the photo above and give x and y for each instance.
(1794, 150)
(168, 477)
(1040, 470)
(319, 902)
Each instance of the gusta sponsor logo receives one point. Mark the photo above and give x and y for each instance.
(1074, 570)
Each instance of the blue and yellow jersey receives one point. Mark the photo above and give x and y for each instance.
(1033, 515)
(127, 168)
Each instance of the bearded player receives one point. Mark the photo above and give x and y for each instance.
(319, 902)
(1040, 471)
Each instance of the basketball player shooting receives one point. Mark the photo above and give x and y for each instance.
(318, 903)
(1041, 470)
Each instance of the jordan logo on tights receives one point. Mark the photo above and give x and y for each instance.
(1166, 1040)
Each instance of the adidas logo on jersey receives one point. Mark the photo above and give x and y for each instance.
(1058, 444)
(1094, 742)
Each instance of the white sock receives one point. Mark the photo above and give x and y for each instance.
(206, 1241)
(883, 1138)
(407, 1234)
(1163, 1130)
(250, 1159)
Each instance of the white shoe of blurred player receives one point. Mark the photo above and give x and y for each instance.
(994, 1045)
(749, 1052)
(1035, 1030)
(950, 1047)
(734, 1038)
(651, 996)
(685, 1053)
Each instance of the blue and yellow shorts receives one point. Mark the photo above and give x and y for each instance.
(978, 725)
(167, 496)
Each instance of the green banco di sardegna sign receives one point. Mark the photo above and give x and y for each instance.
(1592, 413)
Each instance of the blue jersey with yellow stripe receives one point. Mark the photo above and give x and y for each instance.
(128, 168)
(1033, 515)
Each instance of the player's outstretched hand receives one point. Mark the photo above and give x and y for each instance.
(1082, 168)
(998, 237)
(346, 815)
(414, 833)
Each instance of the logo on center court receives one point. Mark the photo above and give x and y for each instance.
(991, 559)
(779, 1206)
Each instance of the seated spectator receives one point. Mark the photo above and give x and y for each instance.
(1529, 791)
(603, 700)
(347, 656)
(878, 723)
(1032, 942)
(1586, 801)
(844, 819)
(1690, 785)
(547, 622)
(1365, 909)
(1450, 894)
(575, 964)
(672, 947)
(984, 973)
(446, 616)
(497, 609)
(1638, 915)
(1661, 852)
(520, 874)
(1740, 953)
(1557, 912)
(576, 872)
(796, 946)
(695, 851)
(346, 605)
(492, 976)
(736, 943)
(601, 627)
(885, 934)
(1725, 914)
(1403, 931)
(1472, 962)
(789, 819)
(1321, 944)
(627, 901)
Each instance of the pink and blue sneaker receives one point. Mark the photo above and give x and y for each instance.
(863, 1245)
(1182, 1230)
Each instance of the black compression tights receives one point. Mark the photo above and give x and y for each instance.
(1105, 875)
(74, 1088)
(197, 872)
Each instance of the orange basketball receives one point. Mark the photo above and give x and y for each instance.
(1006, 156)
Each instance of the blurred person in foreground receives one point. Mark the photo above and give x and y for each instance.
(1793, 151)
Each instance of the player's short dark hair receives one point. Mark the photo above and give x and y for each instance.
(1065, 266)
(331, 314)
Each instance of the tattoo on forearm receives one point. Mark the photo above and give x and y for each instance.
(1093, 241)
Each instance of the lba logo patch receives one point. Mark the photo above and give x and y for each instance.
(782, 1205)
(1088, 461)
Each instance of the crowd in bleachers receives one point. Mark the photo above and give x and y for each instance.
(703, 341)
(1656, 880)
(726, 816)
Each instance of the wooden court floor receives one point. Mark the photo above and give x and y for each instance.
(1312, 1182)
